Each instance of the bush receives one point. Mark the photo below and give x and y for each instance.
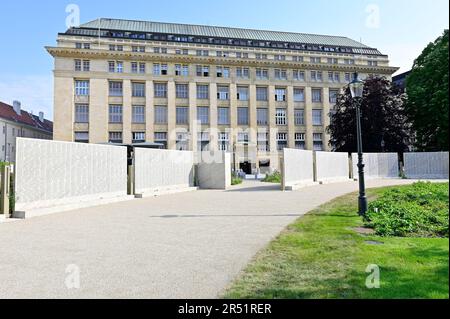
(235, 180)
(418, 210)
(273, 178)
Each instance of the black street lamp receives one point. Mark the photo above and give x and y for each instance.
(357, 89)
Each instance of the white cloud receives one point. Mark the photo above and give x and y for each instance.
(34, 91)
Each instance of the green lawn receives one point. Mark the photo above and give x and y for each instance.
(321, 256)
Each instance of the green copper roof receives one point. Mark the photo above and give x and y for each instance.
(223, 32)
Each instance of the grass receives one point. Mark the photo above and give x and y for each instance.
(321, 256)
(273, 178)
(235, 180)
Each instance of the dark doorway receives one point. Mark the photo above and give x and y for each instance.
(246, 167)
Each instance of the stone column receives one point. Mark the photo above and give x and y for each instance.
(213, 139)
(193, 127)
(171, 115)
(149, 112)
(290, 117)
(99, 111)
(126, 112)
(326, 118)
(308, 118)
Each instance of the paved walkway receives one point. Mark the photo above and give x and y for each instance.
(188, 245)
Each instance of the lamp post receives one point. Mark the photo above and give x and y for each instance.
(357, 89)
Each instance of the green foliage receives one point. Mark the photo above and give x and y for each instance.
(12, 196)
(419, 210)
(235, 180)
(427, 89)
(383, 118)
(275, 177)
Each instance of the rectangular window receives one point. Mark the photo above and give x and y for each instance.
(138, 137)
(317, 95)
(138, 114)
(317, 142)
(203, 115)
(86, 65)
(181, 70)
(115, 137)
(263, 142)
(115, 114)
(348, 77)
(316, 76)
(261, 56)
(243, 73)
(223, 114)
(300, 141)
(280, 95)
(299, 116)
(156, 69)
(182, 141)
(115, 88)
(161, 138)
(280, 117)
(223, 93)
(160, 114)
(161, 90)
(224, 141)
(298, 75)
(138, 89)
(242, 116)
(317, 117)
(164, 69)
(332, 61)
(142, 68)
(262, 116)
(78, 66)
(81, 88)
(242, 93)
(202, 70)
(299, 95)
(134, 67)
(203, 141)
(282, 141)
(182, 91)
(279, 57)
(315, 60)
(202, 92)
(82, 137)
(182, 116)
(222, 72)
(280, 74)
(115, 66)
(349, 61)
(243, 137)
(81, 113)
(261, 94)
(333, 96)
(262, 74)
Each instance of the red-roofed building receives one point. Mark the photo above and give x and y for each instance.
(15, 122)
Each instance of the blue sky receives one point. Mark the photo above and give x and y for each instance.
(401, 29)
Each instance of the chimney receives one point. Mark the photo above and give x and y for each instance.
(17, 107)
(41, 117)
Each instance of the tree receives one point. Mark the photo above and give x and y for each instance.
(427, 89)
(384, 124)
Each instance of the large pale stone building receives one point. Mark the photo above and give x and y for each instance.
(190, 87)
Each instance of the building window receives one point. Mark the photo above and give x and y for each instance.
(136, 48)
(224, 141)
(115, 88)
(160, 114)
(203, 141)
(242, 55)
(81, 113)
(182, 141)
(242, 93)
(222, 54)
(203, 115)
(138, 89)
(262, 74)
(202, 70)
(243, 137)
(82, 137)
(282, 141)
(372, 63)
(261, 56)
(202, 53)
(137, 67)
(348, 77)
(115, 66)
(222, 72)
(317, 142)
(299, 95)
(243, 73)
(280, 95)
(182, 115)
(181, 70)
(333, 96)
(300, 141)
(349, 61)
(263, 142)
(262, 116)
(223, 116)
(332, 61)
(280, 117)
(115, 114)
(86, 65)
(138, 137)
(317, 117)
(78, 67)
(334, 77)
(223, 93)
(202, 92)
(297, 58)
(317, 95)
(298, 75)
(315, 60)
(160, 69)
(138, 114)
(161, 90)
(299, 117)
(81, 88)
(161, 138)
(279, 57)
(280, 74)
(242, 116)
(316, 76)
(182, 91)
(261, 94)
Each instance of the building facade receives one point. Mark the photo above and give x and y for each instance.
(15, 122)
(250, 92)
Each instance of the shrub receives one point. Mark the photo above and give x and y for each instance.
(273, 178)
(418, 210)
(235, 180)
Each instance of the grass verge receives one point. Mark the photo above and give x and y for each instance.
(321, 256)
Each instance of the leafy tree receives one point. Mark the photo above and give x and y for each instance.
(427, 89)
(384, 124)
